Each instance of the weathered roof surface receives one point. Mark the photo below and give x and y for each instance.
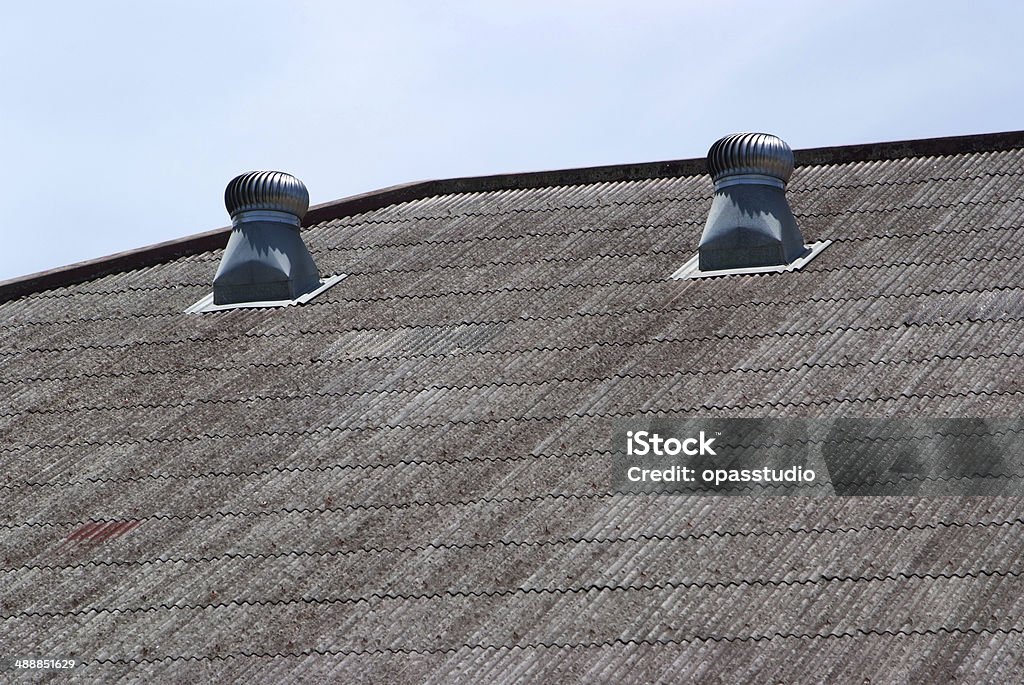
(407, 478)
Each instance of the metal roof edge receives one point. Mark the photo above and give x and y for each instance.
(80, 272)
(919, 147)
(376, 199)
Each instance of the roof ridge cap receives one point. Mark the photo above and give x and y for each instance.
(916, 147)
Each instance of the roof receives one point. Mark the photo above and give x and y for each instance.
(405, 478)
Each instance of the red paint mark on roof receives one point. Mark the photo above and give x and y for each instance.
(82, 532)
(96, 532)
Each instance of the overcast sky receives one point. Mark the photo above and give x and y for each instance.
(121, 122)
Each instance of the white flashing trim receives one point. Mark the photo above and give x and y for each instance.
(691, 269)
(206, 304)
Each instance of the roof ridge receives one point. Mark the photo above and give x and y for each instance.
(406, 192)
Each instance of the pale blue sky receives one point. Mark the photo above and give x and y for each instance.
(121, 122)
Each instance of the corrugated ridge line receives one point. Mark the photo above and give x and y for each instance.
(929, 362)
(583, 345)
(623, 520)
(655, 642)
(819, 359)
(418, 410)
(594, 410)
(789, 601)
(498, 591)
(730, 520)
(1007, 236)
(593, 495)
(642, 559)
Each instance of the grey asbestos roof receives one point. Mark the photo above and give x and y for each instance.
(407, 478)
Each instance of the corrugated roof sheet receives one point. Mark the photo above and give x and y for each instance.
(406, 479)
